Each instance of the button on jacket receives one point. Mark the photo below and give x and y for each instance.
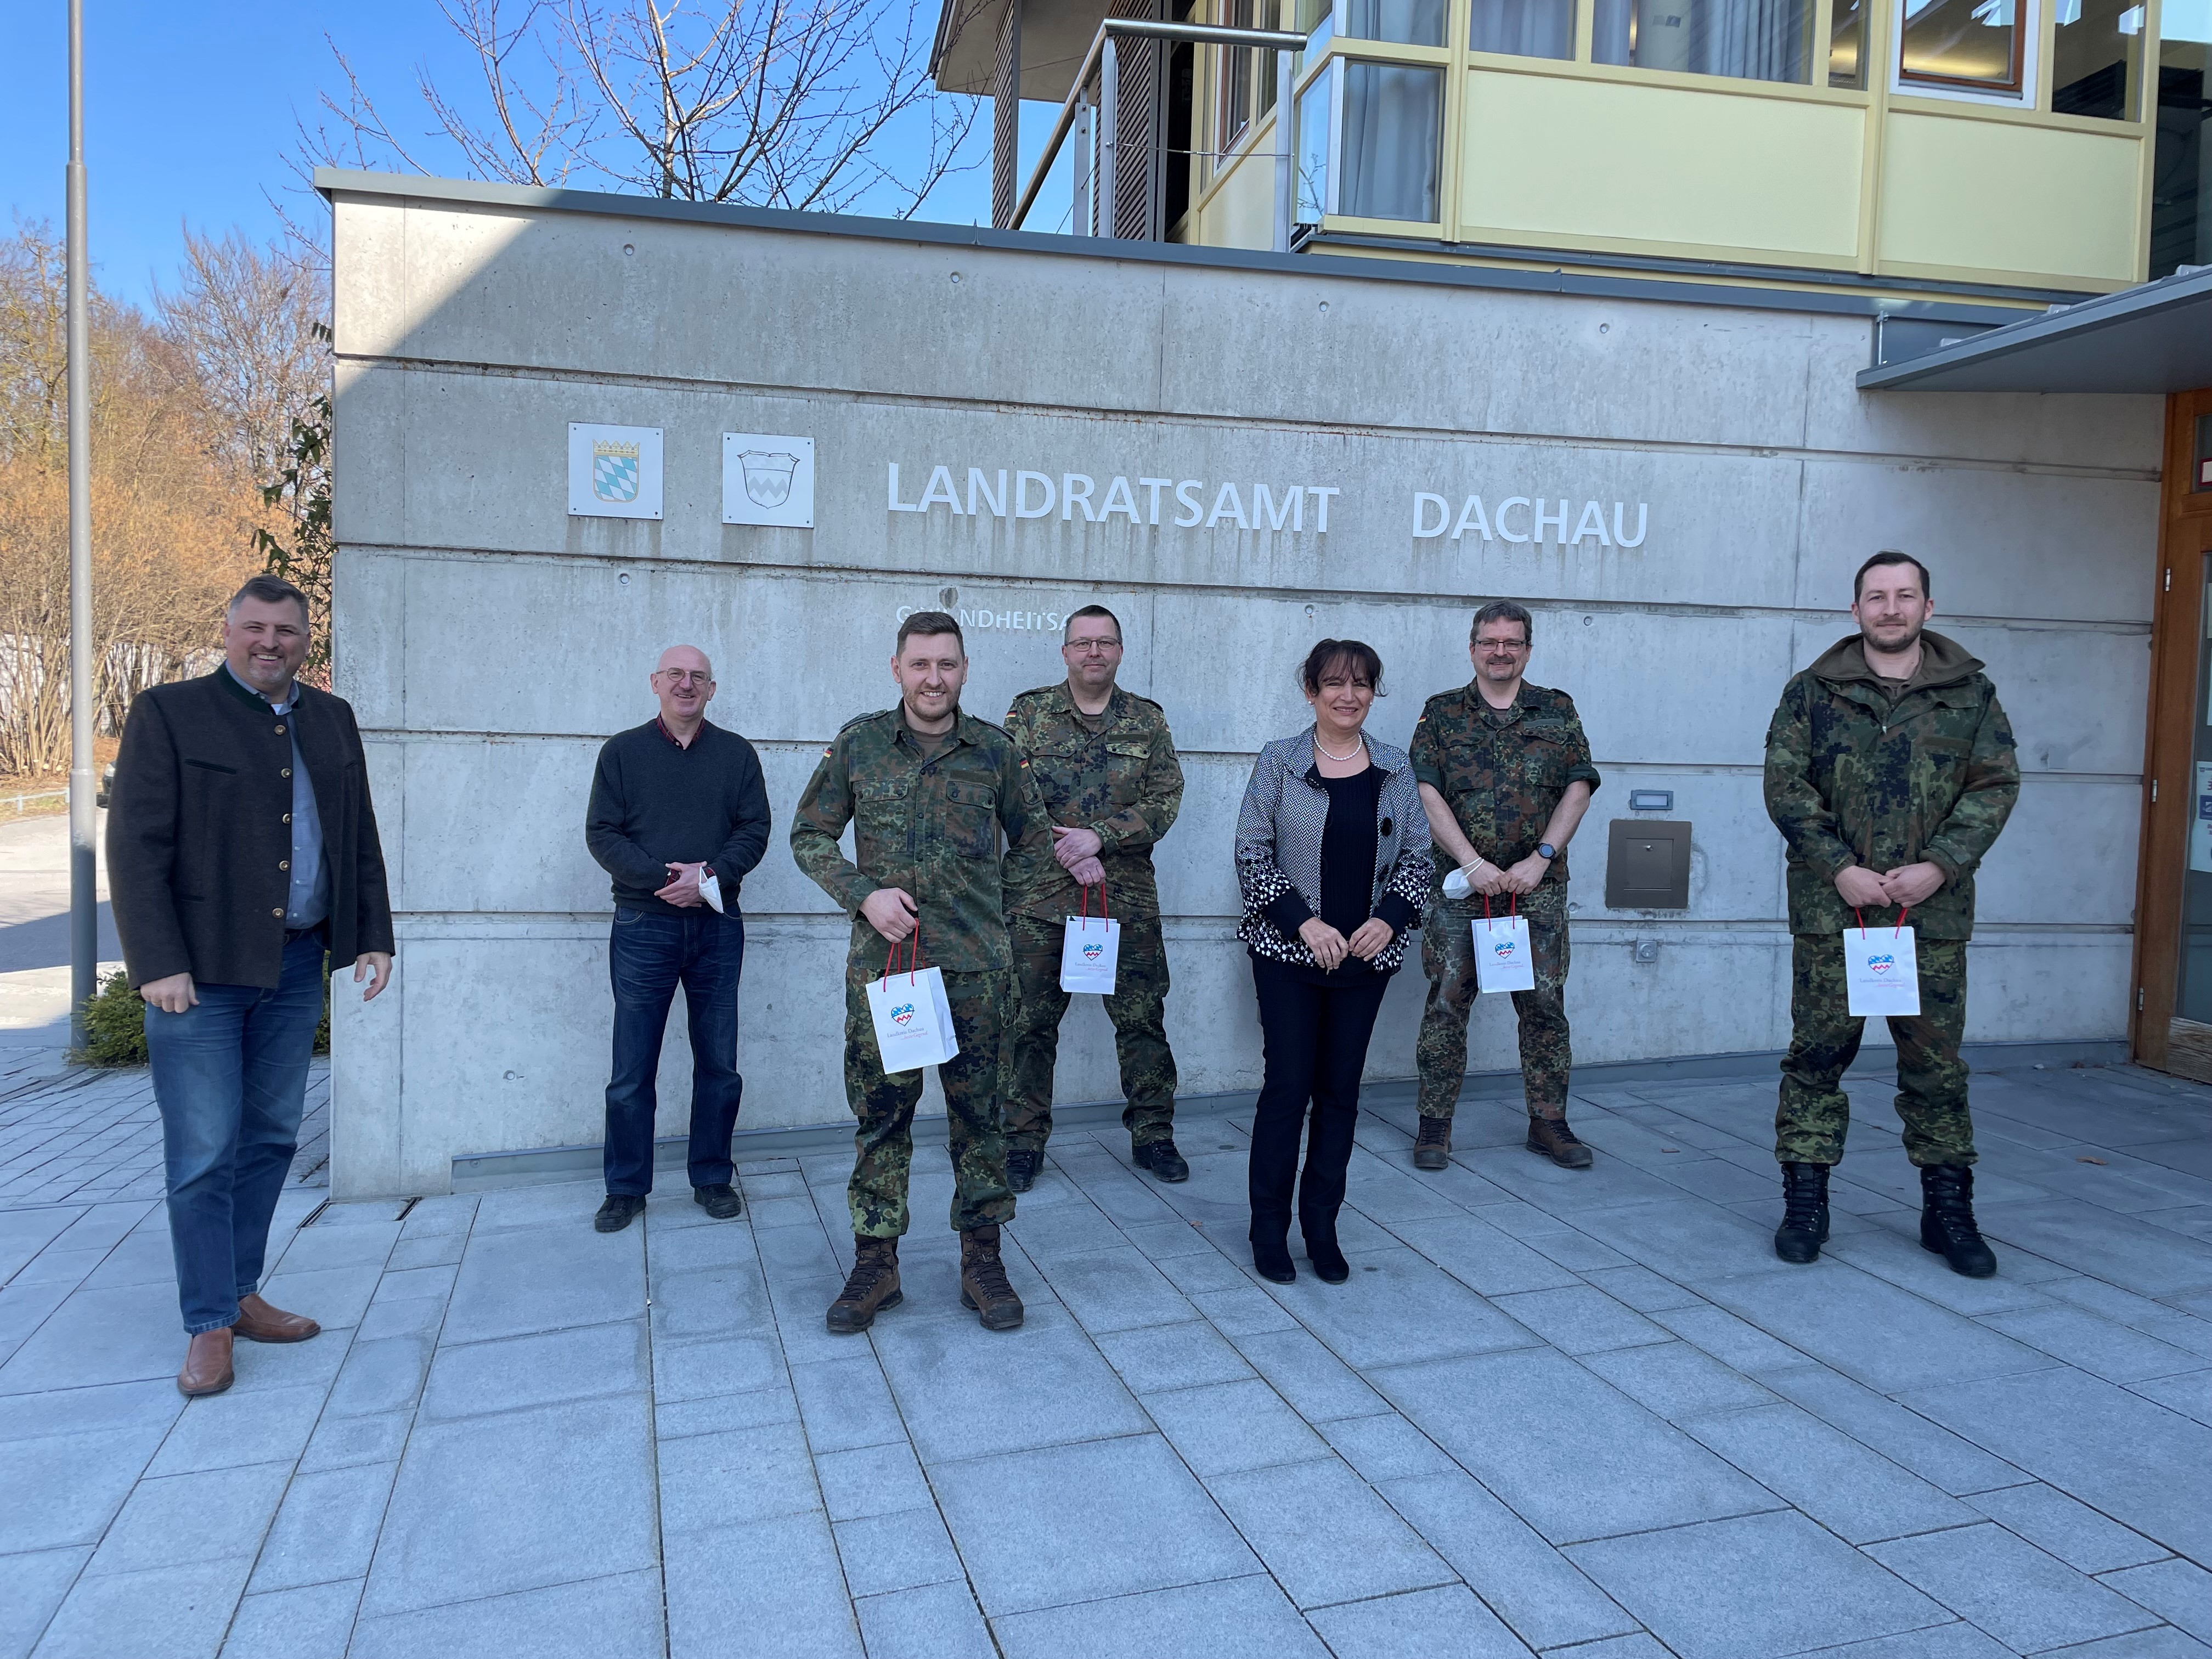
(1502, 777)
(1863, 772)
(929, 825)
(200, 831)
(1122, 782)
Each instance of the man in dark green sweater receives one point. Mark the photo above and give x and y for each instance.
(678, 818)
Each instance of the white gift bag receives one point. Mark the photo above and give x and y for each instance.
(914, 1021)
(1881, 970)
(1091, 951)
(1502, 958)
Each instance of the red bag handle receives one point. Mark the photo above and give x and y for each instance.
(1103, 914)
(914, 962)
(1902, 911)
(1512, 906)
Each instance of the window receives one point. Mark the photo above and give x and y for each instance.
(1316, 20)
(1975, 45)
(1526, 28)
(1847, 44)
(1236, 75)
(1749, 40)
(2181, 171)
(1405, 22)
(2095, 52)
(1392, 138)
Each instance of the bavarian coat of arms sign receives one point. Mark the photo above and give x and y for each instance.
(614, 471)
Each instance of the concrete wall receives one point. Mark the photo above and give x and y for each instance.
(489, 641)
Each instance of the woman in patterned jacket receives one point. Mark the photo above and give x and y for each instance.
(1334, 859)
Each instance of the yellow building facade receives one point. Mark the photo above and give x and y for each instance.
(2015, 152)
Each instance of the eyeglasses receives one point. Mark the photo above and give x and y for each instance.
(1508, 647)
(1092, 645)
(687, 676)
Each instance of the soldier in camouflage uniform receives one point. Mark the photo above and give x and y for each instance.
(1505, 776)
(1105, 765)
(927, 789)
(1889, 771)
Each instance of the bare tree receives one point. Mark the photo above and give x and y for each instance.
(173, 512)
(250, 321)
(801, 104)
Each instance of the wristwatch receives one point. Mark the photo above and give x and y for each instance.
(1546, 851)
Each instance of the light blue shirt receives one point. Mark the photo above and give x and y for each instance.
(309, 900)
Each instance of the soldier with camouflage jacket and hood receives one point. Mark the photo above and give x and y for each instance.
(1889, 771)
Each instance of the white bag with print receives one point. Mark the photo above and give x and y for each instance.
(1881, 972)
(914, 1021)
(1502, 958)
(1091, 951)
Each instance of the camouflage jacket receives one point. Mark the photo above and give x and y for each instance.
(1854, 778)
(930, 826)
(1123, 782)
(1502, 781)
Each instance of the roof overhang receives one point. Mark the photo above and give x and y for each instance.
(2155, 337)
(1056, 35)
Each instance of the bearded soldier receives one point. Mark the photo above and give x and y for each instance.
(1105, 765)
(1889, 771)
(927, 789)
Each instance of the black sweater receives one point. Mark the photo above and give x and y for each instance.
(655, 802)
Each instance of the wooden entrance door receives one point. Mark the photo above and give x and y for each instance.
(2173, 893)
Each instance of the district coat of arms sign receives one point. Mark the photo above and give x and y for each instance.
(614, 471)
(767, 479)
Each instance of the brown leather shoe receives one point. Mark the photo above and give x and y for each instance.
(871, 1286)
(260, 1322)
(983, 1284)
(1432, 1149)
(207, 1365)
(1551, 1137)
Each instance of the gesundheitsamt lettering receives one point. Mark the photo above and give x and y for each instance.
(1189, 504)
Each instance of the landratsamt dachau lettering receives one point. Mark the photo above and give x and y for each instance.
(1010, 493)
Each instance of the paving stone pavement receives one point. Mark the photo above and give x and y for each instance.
(1588, 1415)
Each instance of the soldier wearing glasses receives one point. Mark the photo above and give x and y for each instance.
(1505, 776)
(1105, 764)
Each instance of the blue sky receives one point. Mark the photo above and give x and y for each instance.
(190, 114)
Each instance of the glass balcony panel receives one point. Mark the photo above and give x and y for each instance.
(2181, 171)
(1313, 129)
(1847, 44)
(1403, 22)
(1392, 140)
(1962, 43)
(2095, 57)
(1316, 20)
(1748, 39)
(1526, 28)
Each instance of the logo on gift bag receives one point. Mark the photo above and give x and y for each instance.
(614, 471)
(1880, 964)
(1501, 949)
(1092, 952)
(903, 1012)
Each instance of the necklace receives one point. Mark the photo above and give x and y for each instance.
(1332, 754)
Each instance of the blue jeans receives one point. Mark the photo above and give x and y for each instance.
(230, 1076)
(648, 954)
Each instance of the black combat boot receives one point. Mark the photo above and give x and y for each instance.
(1432, 1146)
(871, 1286)
(1022, 1164)
(1162, 1158)
(983, 1285)
(1804, 1226)
(1947, 1220)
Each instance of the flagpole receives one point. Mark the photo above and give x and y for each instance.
(84, 896)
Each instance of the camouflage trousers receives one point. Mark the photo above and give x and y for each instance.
(1138, 1009)
(1448, 956)
(974, 1081)
(1815, 1113)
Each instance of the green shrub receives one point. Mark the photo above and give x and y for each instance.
(115, 1024)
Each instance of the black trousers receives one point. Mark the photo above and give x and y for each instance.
(1315, 1040)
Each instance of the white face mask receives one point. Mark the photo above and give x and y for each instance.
(1455, 886)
